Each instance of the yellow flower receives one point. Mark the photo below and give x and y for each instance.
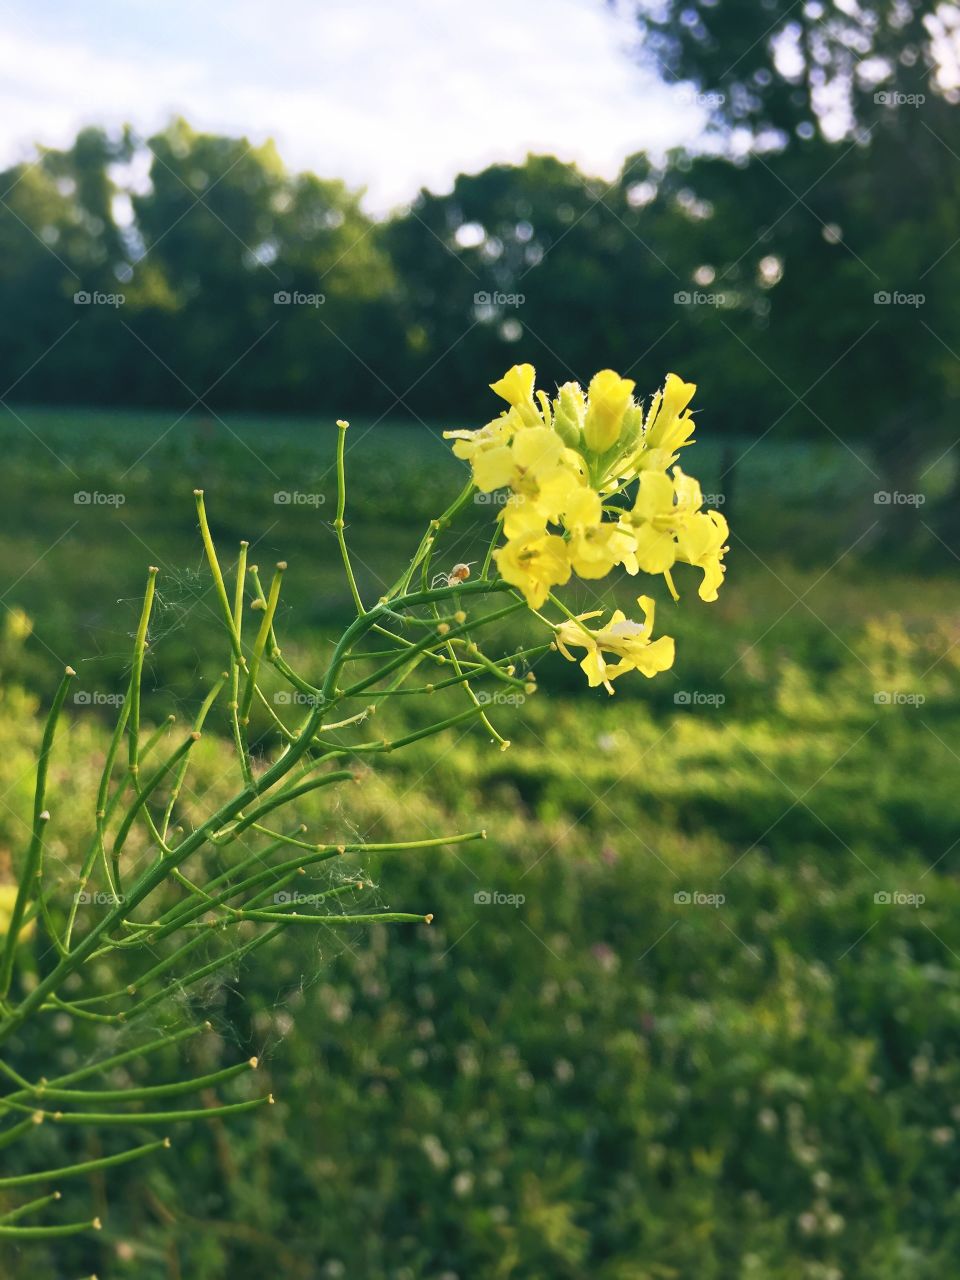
(534, 562)
(627, 640)
(516, 387)
(668, 426)
(594, 547)
(499, 432)
(595, 552)
(654, 519)
(702, 542)
(608, 398)
(536, 465)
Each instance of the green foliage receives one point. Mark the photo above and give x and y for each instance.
(599, 1080)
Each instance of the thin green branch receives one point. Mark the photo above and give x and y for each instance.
(33, 864)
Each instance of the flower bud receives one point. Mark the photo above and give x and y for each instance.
(568, 413)
(609, 397)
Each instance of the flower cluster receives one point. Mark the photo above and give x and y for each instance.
(592, 484)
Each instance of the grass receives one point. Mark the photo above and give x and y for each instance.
(603, 1079)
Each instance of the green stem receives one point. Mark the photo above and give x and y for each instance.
(266, 625)
(136, 675)
(181, 773)
(214, 564)
(341, 507)
(32, 868)
(85, 1167)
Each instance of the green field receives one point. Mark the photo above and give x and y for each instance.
(604, 1080)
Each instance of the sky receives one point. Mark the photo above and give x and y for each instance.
(391, 95)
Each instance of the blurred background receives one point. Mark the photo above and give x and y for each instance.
(718, 1037)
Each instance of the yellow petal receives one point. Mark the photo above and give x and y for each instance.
(521, 517)
(584, 510)
(493, 468)
(516, 385)
(537, 449)
(655, 551)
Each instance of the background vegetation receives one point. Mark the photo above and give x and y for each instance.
(603, 1080)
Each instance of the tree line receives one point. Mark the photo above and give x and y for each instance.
(803, 265)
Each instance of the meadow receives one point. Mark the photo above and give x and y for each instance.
(691, 1008)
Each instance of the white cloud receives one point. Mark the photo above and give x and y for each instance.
(391, 96)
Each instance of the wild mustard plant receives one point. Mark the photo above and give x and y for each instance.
(589, 487)
(592, 484)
